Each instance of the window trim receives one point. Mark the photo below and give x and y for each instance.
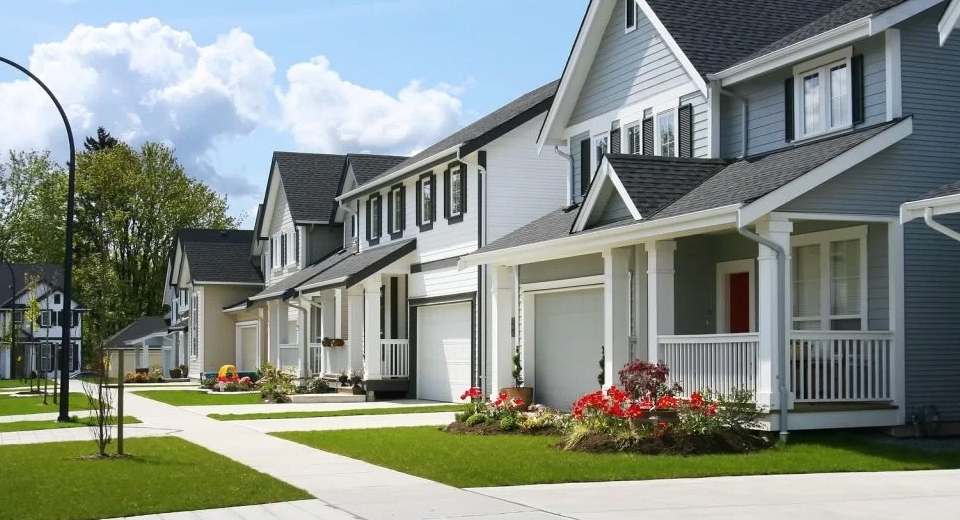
(821, 65)
(638, 130)
(395, 222)
(376, 210)
(430, 179)
(458, 171)
(658, 111)
(296, 246)
(627, 5)
(598, 157)
(824, 239)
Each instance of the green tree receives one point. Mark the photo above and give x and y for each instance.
(21, 178)
(103, 141)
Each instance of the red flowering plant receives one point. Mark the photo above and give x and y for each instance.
(642, 379)
(607, 411)
(497, 409)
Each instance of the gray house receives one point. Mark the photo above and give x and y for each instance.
(740, 173)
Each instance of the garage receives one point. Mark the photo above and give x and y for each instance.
(443, 351)
(568, 328)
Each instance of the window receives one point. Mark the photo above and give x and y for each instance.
(194, 327)
(283, 250)
(666, 133)
(630, 16)
(296, 245)
(45, 318)
(353, 226)
(601, 144)
(829, 280)
(57, 299)
(375, 215)
(457, 192)
(426, 204)
(396, 210)
(46, 357)
(823, 99)
(633, 139)
(274, 257)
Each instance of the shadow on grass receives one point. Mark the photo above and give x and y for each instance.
(871, 443)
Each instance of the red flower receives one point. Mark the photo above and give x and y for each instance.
(711, 409)
(516, 402)
(666, 402)
(696, 400)
(634, 411)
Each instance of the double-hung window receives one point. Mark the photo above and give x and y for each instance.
(283, 250)
(376, 214)
(397, 210)
(426, 201)
(665, 132)
(830, 280)
(824, 101)
(456, 192)
(633, 139)
(630, 16)
(296, 245)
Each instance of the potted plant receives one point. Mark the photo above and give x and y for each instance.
(356, 381)
(343, 377)
(518, 390)
(326, 342)
(184, 369)
(336, 342)
(175, 373)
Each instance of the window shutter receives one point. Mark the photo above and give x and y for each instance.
(296, 245)
(403, 207)
(685, 130)
(585, 165)
(446, 194)
(788, 104)
(433, 197)
(648, 136)
(615, 140)
(379, 208)
(419, 204)
(390, 226)
(856, 73)
(368, 219)
(463, 189)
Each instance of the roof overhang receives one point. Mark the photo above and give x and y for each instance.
(826, 171)
(360, 274)
(605, 176)
(243, 284)
(946, 205)
(154, 339)
(445, 156)
(949, 21)
(237, 307)
(601, 240)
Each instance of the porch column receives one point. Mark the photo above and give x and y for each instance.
(328, 316)
(660, 306)
(640, 336)
(502, 303)
(371, 325)
(616, 312)
(768, 319)
(355, 326)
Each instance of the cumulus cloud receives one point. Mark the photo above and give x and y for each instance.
(143, 81)
(325, 112)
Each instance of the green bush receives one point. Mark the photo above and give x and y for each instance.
(275, 384)
(208, 383)
(462, 417)
(509, 423)
(476, 419)
(317, 385)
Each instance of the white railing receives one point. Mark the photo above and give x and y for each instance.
(719, 362)
(315, 359)
(840, 366)
(390, 361)
(290, 358)
(335, 359)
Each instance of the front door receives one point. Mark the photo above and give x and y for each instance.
(738, 303)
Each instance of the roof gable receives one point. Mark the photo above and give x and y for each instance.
(217, 256)
(50, 274)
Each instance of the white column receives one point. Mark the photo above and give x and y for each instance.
(502, 304)
(660, 305)
(640, 300)
(768, 319)
(616, 312)
(371, 325)
(355, 326)
(328, 315)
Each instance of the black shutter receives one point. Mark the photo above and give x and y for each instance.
(419, 198)
(685, 129)
(446, 194)
(615, 140)
(585, 162)
(403, 208)
(648, 136)
(433, 197)
(368, 218)
(788, 104)
(856, 72)
(390, 212)
(379, 207)
(463, 189)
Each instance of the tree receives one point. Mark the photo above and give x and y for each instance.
(20, 180)
(101, 284)
(103, 141)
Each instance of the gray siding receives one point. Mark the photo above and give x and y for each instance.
(323, 240)
(573, 267)
(701, 123)
(577, 161)
(924, 160)
(627, 69)
(765, 115)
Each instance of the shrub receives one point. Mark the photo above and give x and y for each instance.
(509, 423)
(644, 379)
(476, 419)
(129, 377)
(208, 383)
(542, 418)
(275, 384)
(461, 417)
(317, 385)
(156, 375)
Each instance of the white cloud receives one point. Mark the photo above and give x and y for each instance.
(327, 113)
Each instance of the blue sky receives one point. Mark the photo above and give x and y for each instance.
(351, 61)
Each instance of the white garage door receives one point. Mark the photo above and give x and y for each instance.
(443, 351)
(569, 336)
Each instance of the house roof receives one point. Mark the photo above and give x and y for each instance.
(220, 255)
(303, 276)
(141, 327)
(356, 267)
(655, 182)
(487, 128)
(742, 181)
(52, 274)
(366, 166)
(943, 191)
(717, 35)
(310, 181)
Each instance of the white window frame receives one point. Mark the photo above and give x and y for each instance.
(604, 139)
(376, 214)
(630, 4)
(426, 205)
(638, 128)
(458, 176)
(822, 66)
(398, 210)
(824, 239)
(275, 252)
(46, 318)
(297, 238)
(674, 109)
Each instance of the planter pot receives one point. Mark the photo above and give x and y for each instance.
(336, 343)
(351, 390)
(325, 342)
(175, 373)
(523, 392)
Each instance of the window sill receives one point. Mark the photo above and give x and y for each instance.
(455, 220)
(426, 226)
(374, 241)
(823, 135)
(396, 234)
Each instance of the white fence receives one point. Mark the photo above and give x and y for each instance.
(719, 362)
(838, 366)
(390, 361)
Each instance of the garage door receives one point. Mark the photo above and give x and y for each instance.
(568, 336)
(443, 351)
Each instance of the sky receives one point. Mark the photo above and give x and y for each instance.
(228, 82)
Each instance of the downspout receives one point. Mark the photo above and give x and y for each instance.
(781, 325)
(745, 131)
(570, 188)
(928, 218)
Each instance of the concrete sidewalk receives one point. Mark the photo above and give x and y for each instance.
(79, 433)
(299, 510)
(304, 407)
(348, 422)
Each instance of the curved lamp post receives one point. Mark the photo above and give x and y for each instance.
(67, 322)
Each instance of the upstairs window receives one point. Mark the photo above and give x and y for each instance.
(824, 94)
(283, 250)
(56, 299)
(396, 211)
(426, 201)
(630, 16)
(455, 193)
(633, 139)
(296, 245)
(374, 219)
(666, 133)
(601, 144)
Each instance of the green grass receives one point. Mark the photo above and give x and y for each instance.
(14, 383)
(196, 398)
(510, 460)
(10, 405)
(337, 413)
(23, 426)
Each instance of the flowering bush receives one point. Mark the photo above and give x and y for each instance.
(495, 410)
(606, 411)
(644, 379)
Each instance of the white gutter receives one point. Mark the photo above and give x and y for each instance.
(928, 218)
(570, 174)
(397, 174)
(944, 205)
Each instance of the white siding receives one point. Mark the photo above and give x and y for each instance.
(281, 222)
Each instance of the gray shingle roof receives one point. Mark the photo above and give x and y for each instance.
(49, 273)
(943, 191)
(655, 182)
(366, 166)
(139, 328)
(553, 225)
(220, 255)
(355, 267)
(304, 275)
(717, 35)
(310, 181)
(477, 134)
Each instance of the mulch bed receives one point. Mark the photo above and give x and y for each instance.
(493, 428)
(669, 444)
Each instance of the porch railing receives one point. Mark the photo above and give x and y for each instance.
(289, 357)
(840, 366)
(335, 359)
(315, 359)
(389, 360)
(719, 362)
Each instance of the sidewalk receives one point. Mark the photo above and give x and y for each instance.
(79, 433)
(347, 422)
(299, 510)
(303, 407)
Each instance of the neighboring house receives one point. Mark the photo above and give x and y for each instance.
(211, 269)
(36, 343)
(144, 344)
(410, 321)
(742, 170)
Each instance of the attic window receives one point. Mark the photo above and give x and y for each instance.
(630, 16)
(56, 299)
(823, 94)
(633, 139)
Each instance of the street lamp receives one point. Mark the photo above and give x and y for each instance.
(67, 323)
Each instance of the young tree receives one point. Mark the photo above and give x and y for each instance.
(101, 282)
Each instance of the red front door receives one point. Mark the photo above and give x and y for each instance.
(739, 304)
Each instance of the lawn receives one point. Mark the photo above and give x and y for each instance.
(511, 460)
(166, 474)
(15, 383)
(34, 404)
(23, 426)
(197, 398)
(338, 413)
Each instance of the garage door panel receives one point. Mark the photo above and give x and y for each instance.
(443, 351)
(568, 339)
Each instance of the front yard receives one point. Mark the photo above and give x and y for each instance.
(77, 422)
(11, 405)
(42, 481)
(198, 398)
(338, 413)
(510, 460)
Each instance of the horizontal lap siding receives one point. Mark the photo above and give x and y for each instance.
(615, 79)
(577, 160)
(701, 123)
(282, 221)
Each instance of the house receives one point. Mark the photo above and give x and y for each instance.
(144, 344)
(406, 316)
(740, 174)
(210, 269)
(37, 343)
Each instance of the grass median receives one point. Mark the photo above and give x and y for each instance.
(393, 410)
